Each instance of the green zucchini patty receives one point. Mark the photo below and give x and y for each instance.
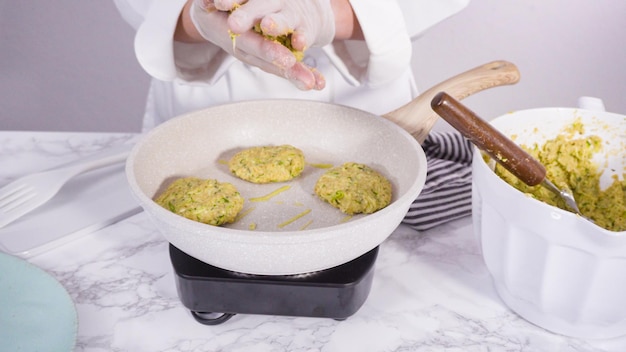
(354, 188)
(206, 201)
(268, 164)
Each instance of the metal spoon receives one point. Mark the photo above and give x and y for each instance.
(498, 146)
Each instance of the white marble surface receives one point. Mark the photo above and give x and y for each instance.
(431, 290)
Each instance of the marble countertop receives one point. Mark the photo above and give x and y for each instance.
(431, 290)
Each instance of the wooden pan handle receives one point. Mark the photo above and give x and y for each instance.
(417, 118)
(488, 139)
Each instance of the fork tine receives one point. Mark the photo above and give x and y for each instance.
(16, 197)
(8, 189)
(11, 187)
(16, 211)
(7, 193)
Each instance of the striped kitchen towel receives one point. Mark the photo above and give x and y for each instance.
(447, 194)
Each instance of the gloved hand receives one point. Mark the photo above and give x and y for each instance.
(250, 47)
(228, 5)
(311, 22)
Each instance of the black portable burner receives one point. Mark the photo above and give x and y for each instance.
(214, 295)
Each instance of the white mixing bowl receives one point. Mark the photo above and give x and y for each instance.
(550, 266)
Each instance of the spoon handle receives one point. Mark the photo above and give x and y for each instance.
(488, 139)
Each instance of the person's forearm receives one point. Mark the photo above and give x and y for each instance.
(185, 29)
(346, 24)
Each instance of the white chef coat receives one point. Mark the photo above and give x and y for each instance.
(373, 75)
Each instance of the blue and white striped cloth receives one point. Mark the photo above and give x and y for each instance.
(447, 194)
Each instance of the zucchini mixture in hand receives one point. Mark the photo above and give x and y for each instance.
(284, 40)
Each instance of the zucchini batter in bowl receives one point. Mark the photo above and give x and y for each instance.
(568, 159)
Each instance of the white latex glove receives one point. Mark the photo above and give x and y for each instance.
(227, 5)
(252, 48)
(311, 22)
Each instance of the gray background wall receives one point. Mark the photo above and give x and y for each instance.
(69, 65)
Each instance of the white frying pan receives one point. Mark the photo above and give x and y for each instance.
(293, 231)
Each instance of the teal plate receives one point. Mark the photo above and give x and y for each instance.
(36, 312)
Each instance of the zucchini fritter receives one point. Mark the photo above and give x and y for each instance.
(268, 164)
(354, 188)
(206, 201)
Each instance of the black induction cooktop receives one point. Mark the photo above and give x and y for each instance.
(214, 295)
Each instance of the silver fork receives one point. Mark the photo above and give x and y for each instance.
(29, 192)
